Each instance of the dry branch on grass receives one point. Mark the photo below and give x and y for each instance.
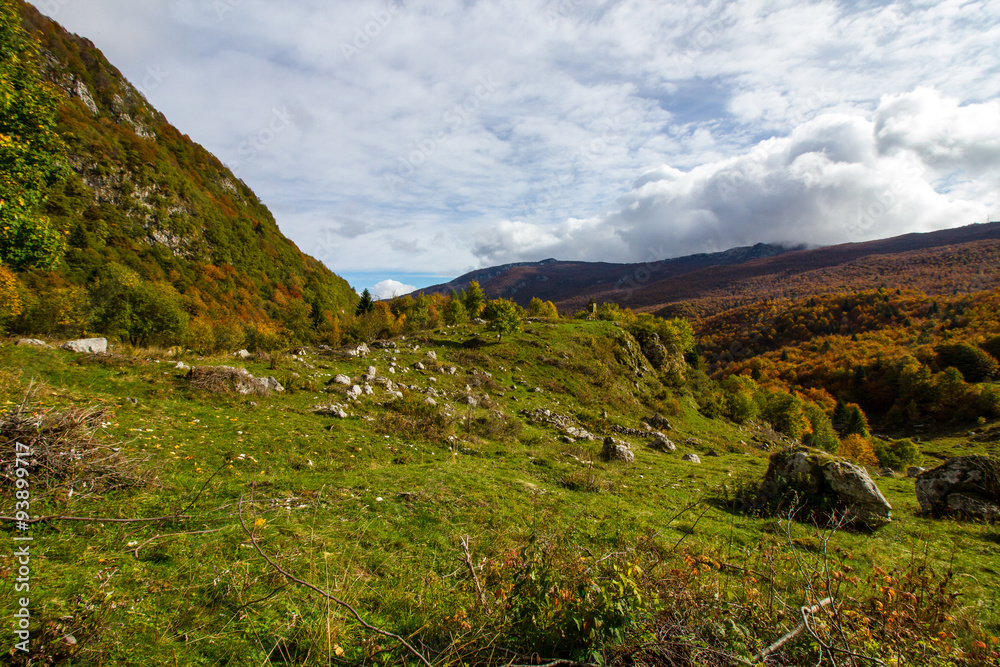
(65, 450)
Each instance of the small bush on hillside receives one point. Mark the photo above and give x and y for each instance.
(897, 455)
(859, 449)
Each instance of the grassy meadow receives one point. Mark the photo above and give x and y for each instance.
(473, 533)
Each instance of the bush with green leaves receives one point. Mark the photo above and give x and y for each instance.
(504, 317)
(897, 455)
(137, 311)
(973, 363)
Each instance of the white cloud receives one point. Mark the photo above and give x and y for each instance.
(397, 157)
(834, 179)
(387, 289)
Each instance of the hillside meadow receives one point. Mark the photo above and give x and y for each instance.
(213, 528)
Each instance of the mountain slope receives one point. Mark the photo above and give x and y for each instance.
(950, 261)
(575, 282)
(144, 196)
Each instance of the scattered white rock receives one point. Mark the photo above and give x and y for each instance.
(342, 379)
(692, 458)
(33, 341)
(242, 354)
(87, 345)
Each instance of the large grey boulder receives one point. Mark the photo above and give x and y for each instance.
(964, 485)
(616, 450)
(87, 345)
(825, 487)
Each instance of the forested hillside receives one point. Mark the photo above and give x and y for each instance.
(125, 221)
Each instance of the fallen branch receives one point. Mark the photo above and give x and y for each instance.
(472, 571)
(291, 577)
(795, 632)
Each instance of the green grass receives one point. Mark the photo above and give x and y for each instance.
(373, 508)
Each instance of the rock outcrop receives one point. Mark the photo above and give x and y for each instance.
(963, 485)
(616, 450)
(87, 345)
(826, 487)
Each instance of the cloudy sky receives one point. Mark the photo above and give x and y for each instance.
(405, 142)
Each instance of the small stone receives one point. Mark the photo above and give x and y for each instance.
(691, 458)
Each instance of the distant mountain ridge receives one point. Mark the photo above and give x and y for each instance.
(961, 259)
(145, 196)
(562, 281)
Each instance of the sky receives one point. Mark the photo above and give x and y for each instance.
(405, 142)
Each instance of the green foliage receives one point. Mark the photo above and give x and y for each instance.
(822, 434)
(784, 411)
(974, 364)
(545, 309)
(850, 419)
(10, 301)
(474, 299)
(137, 311)
(504, 316)
(738, 397)
(31, 153)
(898, 454)
(454, 310)
(365, 304)
(992, 346)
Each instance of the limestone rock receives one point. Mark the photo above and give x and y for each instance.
(913, 471)
(87, 345)
(33, 341)
(691, 458)
(616, 450)
(431, 355)
(967, 485)
(825, 484)
(342, 379)
(662, 443)
(242, 354)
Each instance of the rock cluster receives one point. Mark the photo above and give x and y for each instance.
(616, 450)
(964, 485)
(561, 422)
(825, 486)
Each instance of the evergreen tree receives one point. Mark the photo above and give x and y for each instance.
(366, 304)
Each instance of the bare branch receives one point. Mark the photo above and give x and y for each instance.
(306, 584)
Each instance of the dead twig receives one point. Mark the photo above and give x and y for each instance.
(354, 612)
(472, 571)
(794, 632)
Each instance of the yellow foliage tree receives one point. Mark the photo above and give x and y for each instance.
(859, 449)
(10, 302)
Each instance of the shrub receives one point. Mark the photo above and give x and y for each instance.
(504, 316)
(897, 455)
(974, 364)
(859, 449)
(137, 311)
(10, 303)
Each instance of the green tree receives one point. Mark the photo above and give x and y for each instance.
(454, 310)
(137, 311)
(366, 304)
(474, 299)
(974, 364)
(31, 152)
(504, 317)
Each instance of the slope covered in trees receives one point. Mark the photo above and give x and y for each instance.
(132, 217)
